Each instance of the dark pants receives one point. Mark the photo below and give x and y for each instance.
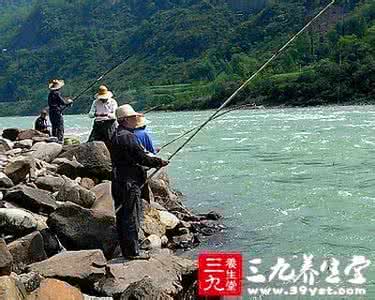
(57, 122)
(130, 216)
(103, 131)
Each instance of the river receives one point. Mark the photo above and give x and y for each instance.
(288, 181)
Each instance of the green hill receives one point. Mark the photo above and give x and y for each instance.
(187, 53)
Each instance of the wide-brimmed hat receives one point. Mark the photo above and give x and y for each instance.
(141, 121)
(55, 84)
(103, 93)
(126, 111)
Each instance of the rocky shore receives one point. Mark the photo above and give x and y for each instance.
(57, 227)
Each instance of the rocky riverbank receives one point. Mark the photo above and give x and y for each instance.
(57, 227)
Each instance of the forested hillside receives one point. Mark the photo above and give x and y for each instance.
(187, 53)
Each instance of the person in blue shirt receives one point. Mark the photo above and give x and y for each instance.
(143, 137)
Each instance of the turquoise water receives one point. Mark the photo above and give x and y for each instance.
(288, 181)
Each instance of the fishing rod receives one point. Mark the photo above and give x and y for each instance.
(98, 79)
(230, 99)
(239, 107)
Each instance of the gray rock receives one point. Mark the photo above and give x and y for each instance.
(51, 243)
(46, 151)
(36, 200)
(144, 289)
(31, 281)
(19, 168)
(82, 268)
(168, 219)
(93, 156)
(14, 152)
(87, 183)
(151, 242)
(70, 168)
(165, 271)
(11, 289)
(24, 144)
(29, 134)
(104, 201)
(5, 181)
(50, 183)
(5, 145)
(6, 259)
(73, 192)
(27, 250)
(11, 133)
(19, 222)
(79, 228)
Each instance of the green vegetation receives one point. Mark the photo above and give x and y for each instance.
(189, 54)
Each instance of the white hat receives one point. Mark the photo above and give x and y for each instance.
(126, 111)
(55, 84)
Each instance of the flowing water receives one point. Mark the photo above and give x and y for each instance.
(288, 181)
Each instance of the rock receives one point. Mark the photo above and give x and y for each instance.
(87, 297)
(104, 201)
(69, 168)
(87, 183)
(45, 139)
(152, 224)
(79, 228)
(11, 133)
(55, 289)
(27, 250)
(29, 134)
(151, 242)
(212, 215)
(11, 289)
(50, 183)
(19, 222)
(14, 152)
(5, 181)
(157, 206)
(144, 289)
(168, 219)
(51, 243)
(164, 241)
(82, 268)
(24, 144)
(73, 192)
(6, 259)
(183, 241)
(31, 281)
(46, 151)
(1, 198)
(36, 200)
(19, 168)
(165, 271)
(93, 156)
(5, 145)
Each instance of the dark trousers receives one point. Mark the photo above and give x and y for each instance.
(129, 217)
(57, 122)
(103, 131)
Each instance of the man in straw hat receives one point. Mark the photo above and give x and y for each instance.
(56, 105)
(103, 110)
(128, 176)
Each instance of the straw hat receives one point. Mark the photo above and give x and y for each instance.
(55, 84)
(126, 111)
(103, 93)
(141, 121)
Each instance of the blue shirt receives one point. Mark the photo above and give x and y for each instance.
(144, 139)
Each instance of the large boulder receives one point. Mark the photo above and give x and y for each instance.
(55, 289)
(36, 200)
(11, 133)
(19, 168)
(144, 289)
(46, 151)
(29, 134)
(19, 222)
(5, 181)
(104, 201)
(70, 168)
(167, 272)
(93, 156)
(11, 289)
(80, 228)
(27, 250)
(50, 183)
(73, 192)
(6, 259)
(82, 268)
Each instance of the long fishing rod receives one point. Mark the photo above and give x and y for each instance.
(230, 99)
(82, 92)
(239, 107)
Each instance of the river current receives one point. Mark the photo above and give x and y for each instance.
(287, 181)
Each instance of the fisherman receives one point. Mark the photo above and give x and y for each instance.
(103, 110)
(41, 123)
(56, 105)
(128, 176)
(143, 136)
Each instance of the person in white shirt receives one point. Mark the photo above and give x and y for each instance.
(103, 110)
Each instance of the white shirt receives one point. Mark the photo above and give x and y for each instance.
(98, 107)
